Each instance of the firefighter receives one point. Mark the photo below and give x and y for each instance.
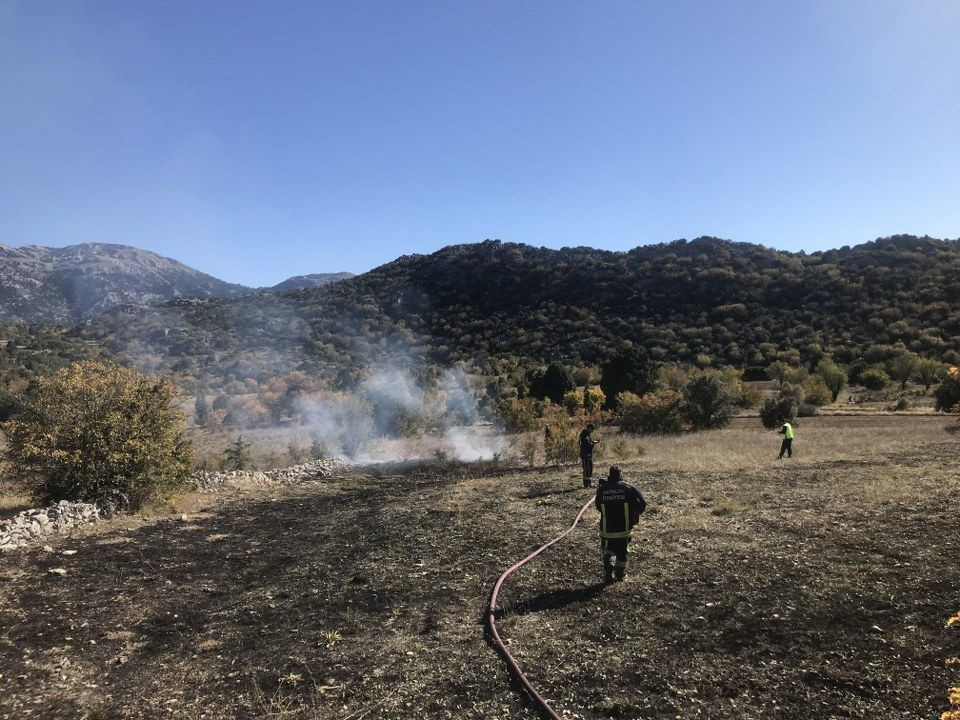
(787, 445)
(587, 443)
(620, 505)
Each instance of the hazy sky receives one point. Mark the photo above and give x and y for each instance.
(257, 140)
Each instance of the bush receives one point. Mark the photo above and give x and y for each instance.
(901, 404)
(815, 392)
(874, 378)
(948, 393)
(96, 433)
(807, 410)
(519, 415)
(237, 455)
(573, 401)
(785, 407)
(708, 403)
(658, 412)
(561, 446)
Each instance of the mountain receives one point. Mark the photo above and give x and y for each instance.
(64, 285)
(303, 282)
(506, 305)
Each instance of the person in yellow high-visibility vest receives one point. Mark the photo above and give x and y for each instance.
(787, 445)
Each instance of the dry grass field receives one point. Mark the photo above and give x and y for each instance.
(811, 588)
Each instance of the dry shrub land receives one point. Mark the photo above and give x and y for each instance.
(815, 588)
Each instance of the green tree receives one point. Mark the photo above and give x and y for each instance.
(902, 367)
(237, 455)
(95, 433)
(201, 410)
(779, 371)
(833, 376)
(708, 403)
(629, 370)
(927, 372)
(552, 384)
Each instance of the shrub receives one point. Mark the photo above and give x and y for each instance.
(561, 446)
(785, 407)
(901, 404)
(237, 455)
(815, 392)
(708, 403)
(95, 433)
(874, 378)
(620, 448)
(948, 394)
(573, 401)
(526, 448)
(593, 399)
(656, 412)
(750, 396)
(520, 415)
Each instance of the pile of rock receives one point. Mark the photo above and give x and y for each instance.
(29, 525)
(208, 481)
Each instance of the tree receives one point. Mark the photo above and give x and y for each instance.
(902, 367)
(778, 371)
(927, 372)
(833, 376)
(629, 370)
(201, 410)
(552, 384)
(98, 433)
(708, 403)
(237, 455)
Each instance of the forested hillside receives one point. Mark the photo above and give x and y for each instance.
(706, 301)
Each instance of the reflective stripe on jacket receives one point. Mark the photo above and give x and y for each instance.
(620, 505)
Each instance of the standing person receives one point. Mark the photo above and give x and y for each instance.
(787, 445)
(620, 505)
(587, 443)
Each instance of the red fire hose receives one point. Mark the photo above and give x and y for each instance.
(511, 661)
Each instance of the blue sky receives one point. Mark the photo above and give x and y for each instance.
(258, 140)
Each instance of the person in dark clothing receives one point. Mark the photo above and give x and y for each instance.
(620, 505)
(587, 443)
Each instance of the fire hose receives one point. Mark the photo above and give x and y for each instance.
(511, 661)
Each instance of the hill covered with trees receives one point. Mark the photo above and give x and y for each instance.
(708, 302)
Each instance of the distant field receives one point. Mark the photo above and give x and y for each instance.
(811, 588)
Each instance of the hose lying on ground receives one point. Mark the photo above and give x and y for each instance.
(511, 661)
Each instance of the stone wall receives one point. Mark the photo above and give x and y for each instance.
(31, 525)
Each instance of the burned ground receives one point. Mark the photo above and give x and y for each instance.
(812, 589)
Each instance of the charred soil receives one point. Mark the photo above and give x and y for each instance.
(803, 590)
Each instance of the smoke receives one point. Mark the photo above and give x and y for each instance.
(393, 417)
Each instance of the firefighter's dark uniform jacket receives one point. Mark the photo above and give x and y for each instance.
(620, 505)
(586, 444)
